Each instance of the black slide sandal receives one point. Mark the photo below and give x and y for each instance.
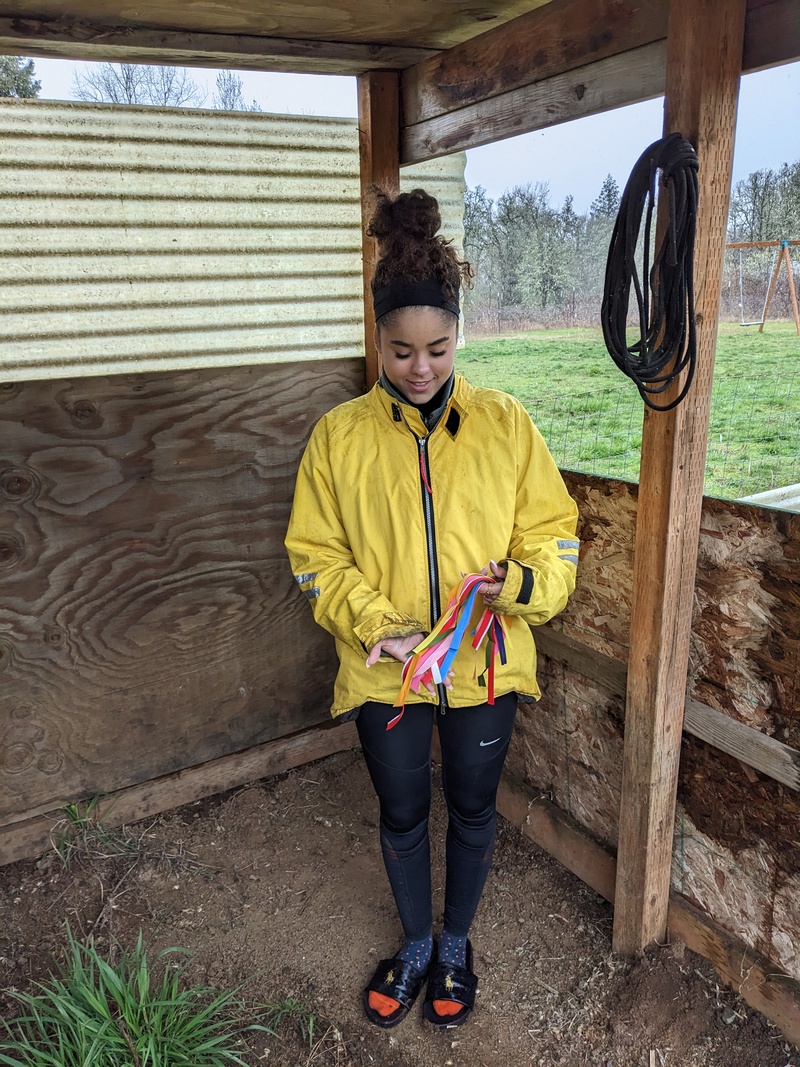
(396, 979)
(448, 982)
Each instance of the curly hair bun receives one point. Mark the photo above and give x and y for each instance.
(413, 216)
(409, 243)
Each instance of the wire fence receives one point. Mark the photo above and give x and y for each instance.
(754, 433)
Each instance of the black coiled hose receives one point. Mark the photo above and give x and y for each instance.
(667, 338)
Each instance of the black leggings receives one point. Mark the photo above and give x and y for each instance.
(474, 743)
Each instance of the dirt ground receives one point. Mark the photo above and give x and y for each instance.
(283, 879)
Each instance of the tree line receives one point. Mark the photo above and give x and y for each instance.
(130, 83)
(535, 262)
(540, 263)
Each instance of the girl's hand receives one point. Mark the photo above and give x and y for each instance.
(491, 590)
(400, 648)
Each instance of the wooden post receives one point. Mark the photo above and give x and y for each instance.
(771, 291)
(792, 290)
(379, 150)
(704, 59)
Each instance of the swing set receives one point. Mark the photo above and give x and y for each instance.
(781, 256)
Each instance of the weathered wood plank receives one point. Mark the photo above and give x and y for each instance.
(150, 620)
(429, 24)
(555, 832)
(558, 63)
(757, 750)
(32, 837)
(605, 671)
(772, 34)
(95, 41)
(565, 35)
(608, 83)
(751, 975)
(379, 153)
(755, 978)
(751, 746)
(703, 66)
(549, 41)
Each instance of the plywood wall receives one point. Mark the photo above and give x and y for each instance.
(149, 619)
(737, 851)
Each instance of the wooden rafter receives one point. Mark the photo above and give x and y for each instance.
(564, 61)
(63, 39)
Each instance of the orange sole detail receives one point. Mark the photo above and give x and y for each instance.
(447, 1007)
(382, 1004)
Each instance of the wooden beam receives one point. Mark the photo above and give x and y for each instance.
(752, 976)
(379, 151)
(771, 35)
(757, 981)
(757, 750)
(561, 36)
(601, 86)
(542, 69)
(704, 59)
(24, 840)
(604, 671)
(63, 39)
(750, 746)
(558, 834)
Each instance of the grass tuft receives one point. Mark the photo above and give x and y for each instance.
(81, 832)
(95, 1014)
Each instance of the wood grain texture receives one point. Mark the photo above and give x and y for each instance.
(111, 43)
(551, 40)
(150, 620)
(559, 63)
(554, 831)
(608, 83)
(379, 157)
(757, 750)
(772, 34)
(704, 57)
(429, 24)
(23, 840)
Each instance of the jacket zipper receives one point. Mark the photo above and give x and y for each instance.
(430, 541)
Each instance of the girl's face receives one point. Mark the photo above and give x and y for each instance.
(417, 350)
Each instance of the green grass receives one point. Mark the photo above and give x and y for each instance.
(82, 832)
(95, 1014)
(591, 414)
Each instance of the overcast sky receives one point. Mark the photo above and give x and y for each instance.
(573, 158)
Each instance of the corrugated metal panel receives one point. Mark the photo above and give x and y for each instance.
(787, 498)
(136, 239)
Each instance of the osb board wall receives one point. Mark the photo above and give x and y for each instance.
(149, 619)
(737, 851)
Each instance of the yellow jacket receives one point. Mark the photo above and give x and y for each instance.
(372, 548)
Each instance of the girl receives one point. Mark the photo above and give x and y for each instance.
(399, 493)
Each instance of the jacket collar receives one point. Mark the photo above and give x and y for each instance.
(432, 419)
(404, 415)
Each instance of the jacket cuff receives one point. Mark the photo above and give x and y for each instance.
(388, 624)
(517, 590)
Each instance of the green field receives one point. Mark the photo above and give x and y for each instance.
(591, 414)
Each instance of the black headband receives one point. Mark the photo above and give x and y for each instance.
(402, 293)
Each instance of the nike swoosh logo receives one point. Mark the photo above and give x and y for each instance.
(485, 743)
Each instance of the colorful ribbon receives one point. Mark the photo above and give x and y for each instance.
(432, 659)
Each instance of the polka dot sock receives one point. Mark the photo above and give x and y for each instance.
(418, 954)
(453, 950)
